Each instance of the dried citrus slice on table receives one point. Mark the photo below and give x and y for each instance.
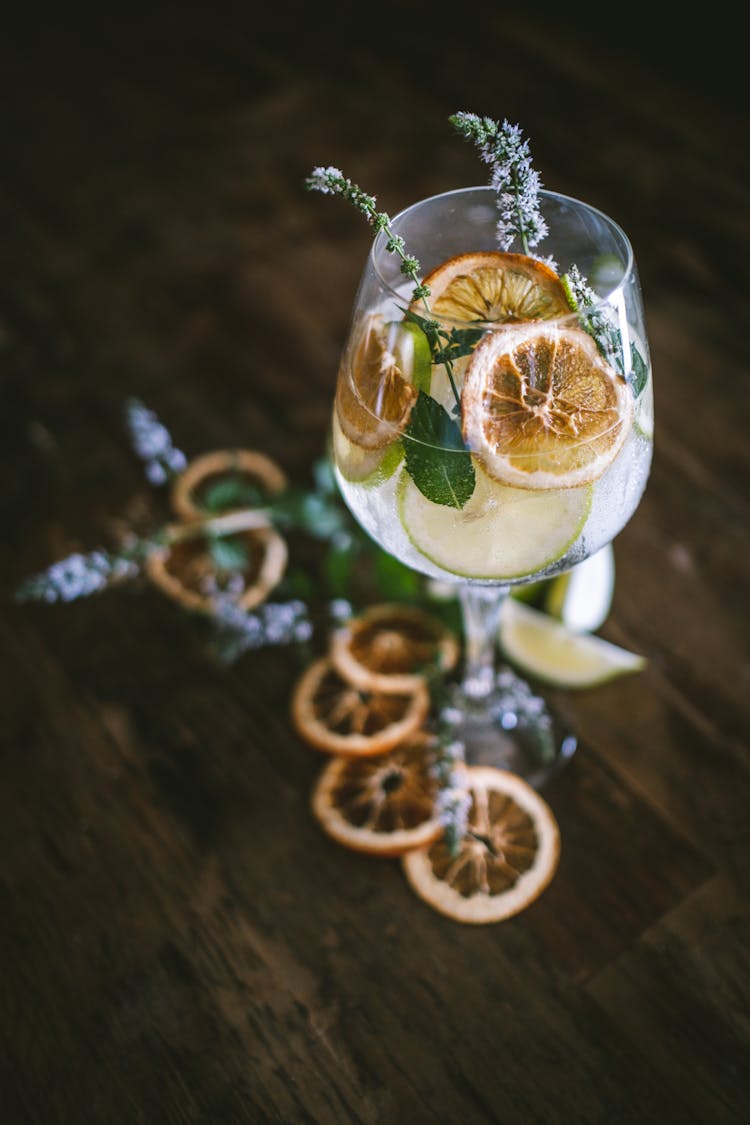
(187, 570)
(374, 391)
(336, 717)
(542, 409)
(225, 480)
(493, 286)
(390, 647)
(500, 533)
(505, 859)
(383, 805)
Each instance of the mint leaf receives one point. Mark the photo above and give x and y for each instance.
(437, 459)
(460, 342)
(318, 515)
(231, 492)
(445, 346)
(228, 554)
(639, 370)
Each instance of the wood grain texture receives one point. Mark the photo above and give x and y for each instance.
(179, 942)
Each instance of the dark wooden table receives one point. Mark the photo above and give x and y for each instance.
(179, 942)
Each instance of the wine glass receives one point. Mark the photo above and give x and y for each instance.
(495, 429)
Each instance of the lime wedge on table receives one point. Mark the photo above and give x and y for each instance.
(582, 597)
(545, 648)
(500, 533)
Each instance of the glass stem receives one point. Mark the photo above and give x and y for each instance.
(480, 607)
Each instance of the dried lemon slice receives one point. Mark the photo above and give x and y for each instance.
(541, 407)
(336, 717)
(391, 647)
(374, 398)
(383, 805)
(493, 286)
(225, 480)
(186, 570)
(506, 858)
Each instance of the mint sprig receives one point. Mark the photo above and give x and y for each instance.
(439, 472)
(446, 347)
(232, 491)
(436, 456)
(517, 184)
(607, 337)
(228, 554)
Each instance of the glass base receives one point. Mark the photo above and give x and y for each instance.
(510, 728)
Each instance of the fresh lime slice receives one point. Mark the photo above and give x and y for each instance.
(582, 597)
(501, 533)
(410, 346)
(543, 647)
(368, 467)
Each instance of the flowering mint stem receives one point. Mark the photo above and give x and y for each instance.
(80, 575)
(517, 184)
(153, 443)
(330, 181)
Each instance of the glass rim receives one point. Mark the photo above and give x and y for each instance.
(601, 301)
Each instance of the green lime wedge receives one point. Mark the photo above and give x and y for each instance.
(540, 646)
(411, 348)
(368, 467)
(501, 533)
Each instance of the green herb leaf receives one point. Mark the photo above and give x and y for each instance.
(639, 370)
(461, 341)
(325, 480)
(228, 554)
(445, 346)
(231, 492)
(607, 337)
(431, 329)
(318, 515)
(436, 457)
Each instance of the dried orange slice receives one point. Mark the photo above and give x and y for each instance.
(383, 805)
(390, 647)
(186, 570)
(493, 286)
(506, 858)
(542, 409)
(373, 396)
(336, 717)
(224, 480)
